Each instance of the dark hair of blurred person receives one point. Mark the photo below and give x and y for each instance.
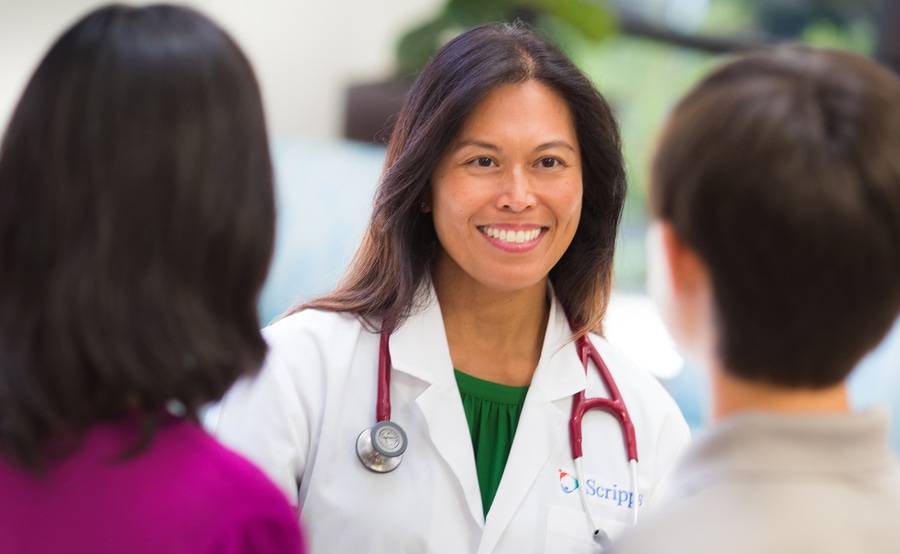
(400, 244)
(136, 228)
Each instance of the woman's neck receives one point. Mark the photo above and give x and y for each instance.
(493, 335)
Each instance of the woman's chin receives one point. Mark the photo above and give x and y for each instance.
(509, 282)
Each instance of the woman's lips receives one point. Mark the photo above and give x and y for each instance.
(513, 237)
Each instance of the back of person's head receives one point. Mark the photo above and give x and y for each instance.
(136, 227)
(781, 170)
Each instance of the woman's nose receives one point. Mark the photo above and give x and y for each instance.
(515, 194)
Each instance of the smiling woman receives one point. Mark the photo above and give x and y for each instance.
(510, 185)
(488, 253)
(533, 94)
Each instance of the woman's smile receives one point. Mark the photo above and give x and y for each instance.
(513, 237)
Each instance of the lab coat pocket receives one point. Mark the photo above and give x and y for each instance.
(568, 531)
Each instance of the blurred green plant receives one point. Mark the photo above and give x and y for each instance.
(592, 19)
(642, 79)
(858, 36)
(790, 20)
(729, 16)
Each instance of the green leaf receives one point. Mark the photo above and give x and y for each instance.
(470, 13)
(417, 46)
(592, 18)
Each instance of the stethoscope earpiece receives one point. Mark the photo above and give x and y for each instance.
(380, 448)
(601, 539)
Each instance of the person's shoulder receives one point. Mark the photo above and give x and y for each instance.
(672, 534)
(311, 326)
(252, 515)
(259, 534)
(696, 525)
(305, 350)
(242, 498)
(215, 469)
(191, 488)
(312, 321)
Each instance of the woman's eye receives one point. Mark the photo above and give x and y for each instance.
(483, 161)
(549, 162)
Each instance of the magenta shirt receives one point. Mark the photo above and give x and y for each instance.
(185, 494)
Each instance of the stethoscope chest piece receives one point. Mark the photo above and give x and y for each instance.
(380, 448)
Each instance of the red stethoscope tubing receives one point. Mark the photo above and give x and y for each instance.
(614, 405)
(383, 404)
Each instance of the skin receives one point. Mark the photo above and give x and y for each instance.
(680, 283)
(516, 162)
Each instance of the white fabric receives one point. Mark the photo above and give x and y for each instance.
(300, 417)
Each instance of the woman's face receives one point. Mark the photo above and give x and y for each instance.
(506, 196)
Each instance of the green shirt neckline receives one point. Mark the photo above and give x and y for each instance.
(489, 390)
(492, 413)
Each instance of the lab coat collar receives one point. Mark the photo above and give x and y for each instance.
(419, 348)
(559, 373)
(419, 345)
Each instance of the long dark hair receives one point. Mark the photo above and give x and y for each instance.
(400, 242)
(136, 228)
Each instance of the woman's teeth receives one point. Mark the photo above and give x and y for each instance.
(511, 236)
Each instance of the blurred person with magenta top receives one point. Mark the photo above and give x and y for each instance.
(136, 227)
(776, 250)
(435, 400)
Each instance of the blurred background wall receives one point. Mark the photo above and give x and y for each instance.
(304, 51)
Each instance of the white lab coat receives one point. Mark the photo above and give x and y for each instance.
(300, 417)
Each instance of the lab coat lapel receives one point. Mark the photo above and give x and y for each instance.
(419, 348)
(542, 425)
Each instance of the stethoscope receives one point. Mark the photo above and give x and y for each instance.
(380, 448)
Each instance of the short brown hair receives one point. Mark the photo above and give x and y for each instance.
(781, 169)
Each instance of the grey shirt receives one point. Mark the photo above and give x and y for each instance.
(762, 483)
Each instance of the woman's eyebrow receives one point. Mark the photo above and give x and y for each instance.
(488, 146)
(479, 143)
(554, 144)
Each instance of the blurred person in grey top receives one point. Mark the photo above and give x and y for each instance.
(775, 261)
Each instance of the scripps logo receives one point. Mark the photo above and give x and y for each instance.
(622, 498)
(567, 482)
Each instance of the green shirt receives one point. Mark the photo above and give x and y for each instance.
(492, 411)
